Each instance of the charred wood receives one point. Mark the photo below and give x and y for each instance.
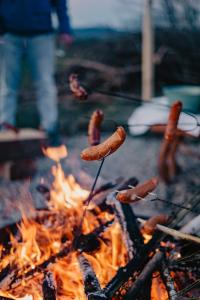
(146, 273)
(91, 242)
(134, 266)
(49, 287)
(44, 190)
(39, 268)
(92, 286)
(169, 282)
(128, 222)
(88, 243)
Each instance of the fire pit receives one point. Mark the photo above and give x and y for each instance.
(91, 245)
(111, 258)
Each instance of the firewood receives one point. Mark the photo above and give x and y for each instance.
(127, 220)
(134, 266)
(92, 286)
(146, 273)
(16, 280)
(49, 287)
(169, 282)
(88, 243)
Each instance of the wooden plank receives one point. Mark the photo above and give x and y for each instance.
(26, 144)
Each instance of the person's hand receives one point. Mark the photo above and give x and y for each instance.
(66, 39)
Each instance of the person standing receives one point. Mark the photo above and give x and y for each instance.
(28, 30)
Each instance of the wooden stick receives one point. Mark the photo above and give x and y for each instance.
(175, 233)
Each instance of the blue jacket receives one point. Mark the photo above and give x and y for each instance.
(33, 16)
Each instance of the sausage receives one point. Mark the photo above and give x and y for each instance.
(149, 226)
(165, 170)
(78, 91)
(141, 190)
(94, 127)
(174, 114)
(106, 148)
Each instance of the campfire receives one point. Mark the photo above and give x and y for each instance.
(91, 245)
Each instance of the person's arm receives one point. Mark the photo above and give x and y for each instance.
(62, 13)
(65, 31)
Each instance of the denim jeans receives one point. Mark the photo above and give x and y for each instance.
(40, 53)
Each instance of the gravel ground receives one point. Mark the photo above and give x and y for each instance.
(137, 157)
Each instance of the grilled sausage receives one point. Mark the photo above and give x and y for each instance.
(106, 148)
(140, 191)
(149, 226)
(94, 127)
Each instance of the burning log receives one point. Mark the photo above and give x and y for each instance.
(87, 243)
(190, 264)
(49, 287)
(127, 220)
(166, 161)
(92, 286)
(146, 273)
(169, 282)
(134, 266)
(8, 274)
(129, 223)
(16, 280)
(90, 242)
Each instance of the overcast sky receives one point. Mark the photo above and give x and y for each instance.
(88, 13)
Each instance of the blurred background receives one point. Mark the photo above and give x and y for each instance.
(107, 51)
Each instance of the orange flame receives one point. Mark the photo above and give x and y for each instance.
(56, 153)
(45, 236)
